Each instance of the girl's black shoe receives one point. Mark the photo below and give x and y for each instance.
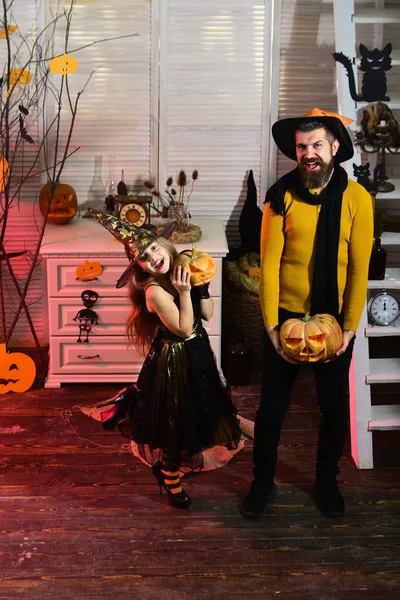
(119, 406)
(179, 500)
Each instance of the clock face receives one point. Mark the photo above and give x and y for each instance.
(133, 213)
(384, 308)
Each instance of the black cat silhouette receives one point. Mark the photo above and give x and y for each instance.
(374, 63)
(362, 173)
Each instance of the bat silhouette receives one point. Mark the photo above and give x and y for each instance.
(24, 133)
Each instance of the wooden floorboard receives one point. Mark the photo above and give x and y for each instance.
(82, 518)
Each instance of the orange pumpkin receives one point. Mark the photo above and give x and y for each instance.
(63, 65)
(89, 271)
(64, 203)
(201, 265)
(17, 371)
(18, 77)
(311, 339)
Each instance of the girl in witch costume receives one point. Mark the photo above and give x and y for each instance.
(179, 405)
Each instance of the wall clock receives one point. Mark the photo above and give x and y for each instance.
(134, 209)
(383, 309)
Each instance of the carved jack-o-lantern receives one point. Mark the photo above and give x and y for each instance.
(89, 271)
(311, 339)
(17, 371)
(201, 265)
(63, 65)
(64, 203)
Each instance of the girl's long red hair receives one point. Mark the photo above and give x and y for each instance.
(141, 324)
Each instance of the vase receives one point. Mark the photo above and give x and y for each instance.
(377, 263)
(178, 213)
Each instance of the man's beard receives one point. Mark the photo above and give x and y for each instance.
(318, 179)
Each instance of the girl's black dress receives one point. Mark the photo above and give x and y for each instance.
(179, 405)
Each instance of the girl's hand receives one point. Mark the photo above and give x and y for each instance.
(347, 337)
(180, 279)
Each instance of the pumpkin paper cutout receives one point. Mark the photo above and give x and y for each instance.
(17, 371)
(64, 204)
(10, 30)
(3, 172)
(89, 271)
(311, 339)
(63, 65)
(201, 265)
(18, 77)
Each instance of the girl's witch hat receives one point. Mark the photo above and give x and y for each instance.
(135, 239)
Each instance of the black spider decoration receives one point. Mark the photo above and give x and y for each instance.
(86, 316)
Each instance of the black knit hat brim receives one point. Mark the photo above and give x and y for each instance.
(284, 131)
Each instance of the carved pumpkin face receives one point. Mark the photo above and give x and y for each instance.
(64, 203)
(89, 271)
(201, 265)
(63, 65)
(17, 371)
(311, 339)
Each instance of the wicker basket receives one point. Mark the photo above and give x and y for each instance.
(241, 313)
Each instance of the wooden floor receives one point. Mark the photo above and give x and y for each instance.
(82, 518)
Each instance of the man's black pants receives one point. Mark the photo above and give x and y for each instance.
(278, 380)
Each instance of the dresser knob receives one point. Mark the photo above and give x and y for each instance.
(88, 357)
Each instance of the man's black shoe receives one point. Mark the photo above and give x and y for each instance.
(328, 498)
(256, 500)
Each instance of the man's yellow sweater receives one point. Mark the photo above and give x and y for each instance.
(288, 252)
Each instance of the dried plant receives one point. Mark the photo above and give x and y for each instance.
(170, 196)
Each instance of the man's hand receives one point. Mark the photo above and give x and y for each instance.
(347, 337)
(273, 333)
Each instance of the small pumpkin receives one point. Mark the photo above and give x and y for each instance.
(63, 65)
(311, 339)
(17, 371)
(255, 272)
(202, 267)
(64, 204)
(89, 271)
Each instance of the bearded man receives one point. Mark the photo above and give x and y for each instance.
(316, 242)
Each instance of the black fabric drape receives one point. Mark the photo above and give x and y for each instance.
(324, 291)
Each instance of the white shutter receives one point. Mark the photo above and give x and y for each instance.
(22, 230)
(114, 111)
(212, 90)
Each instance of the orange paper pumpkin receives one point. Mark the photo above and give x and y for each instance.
(311, 339)
(63, 65)
(255, 272)
(3, 172)
(10, 30)
(89, 271)
(64, 203)
(17, 371)
(201, 265)
(18, 77)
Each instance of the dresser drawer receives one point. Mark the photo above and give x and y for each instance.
(112, 316)
(62, 280)
(105, 354)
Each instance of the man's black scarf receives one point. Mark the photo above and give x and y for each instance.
(324, 292)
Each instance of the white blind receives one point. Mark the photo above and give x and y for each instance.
(114, 111)
(211, 98)
(307, 68)
(23, 224)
